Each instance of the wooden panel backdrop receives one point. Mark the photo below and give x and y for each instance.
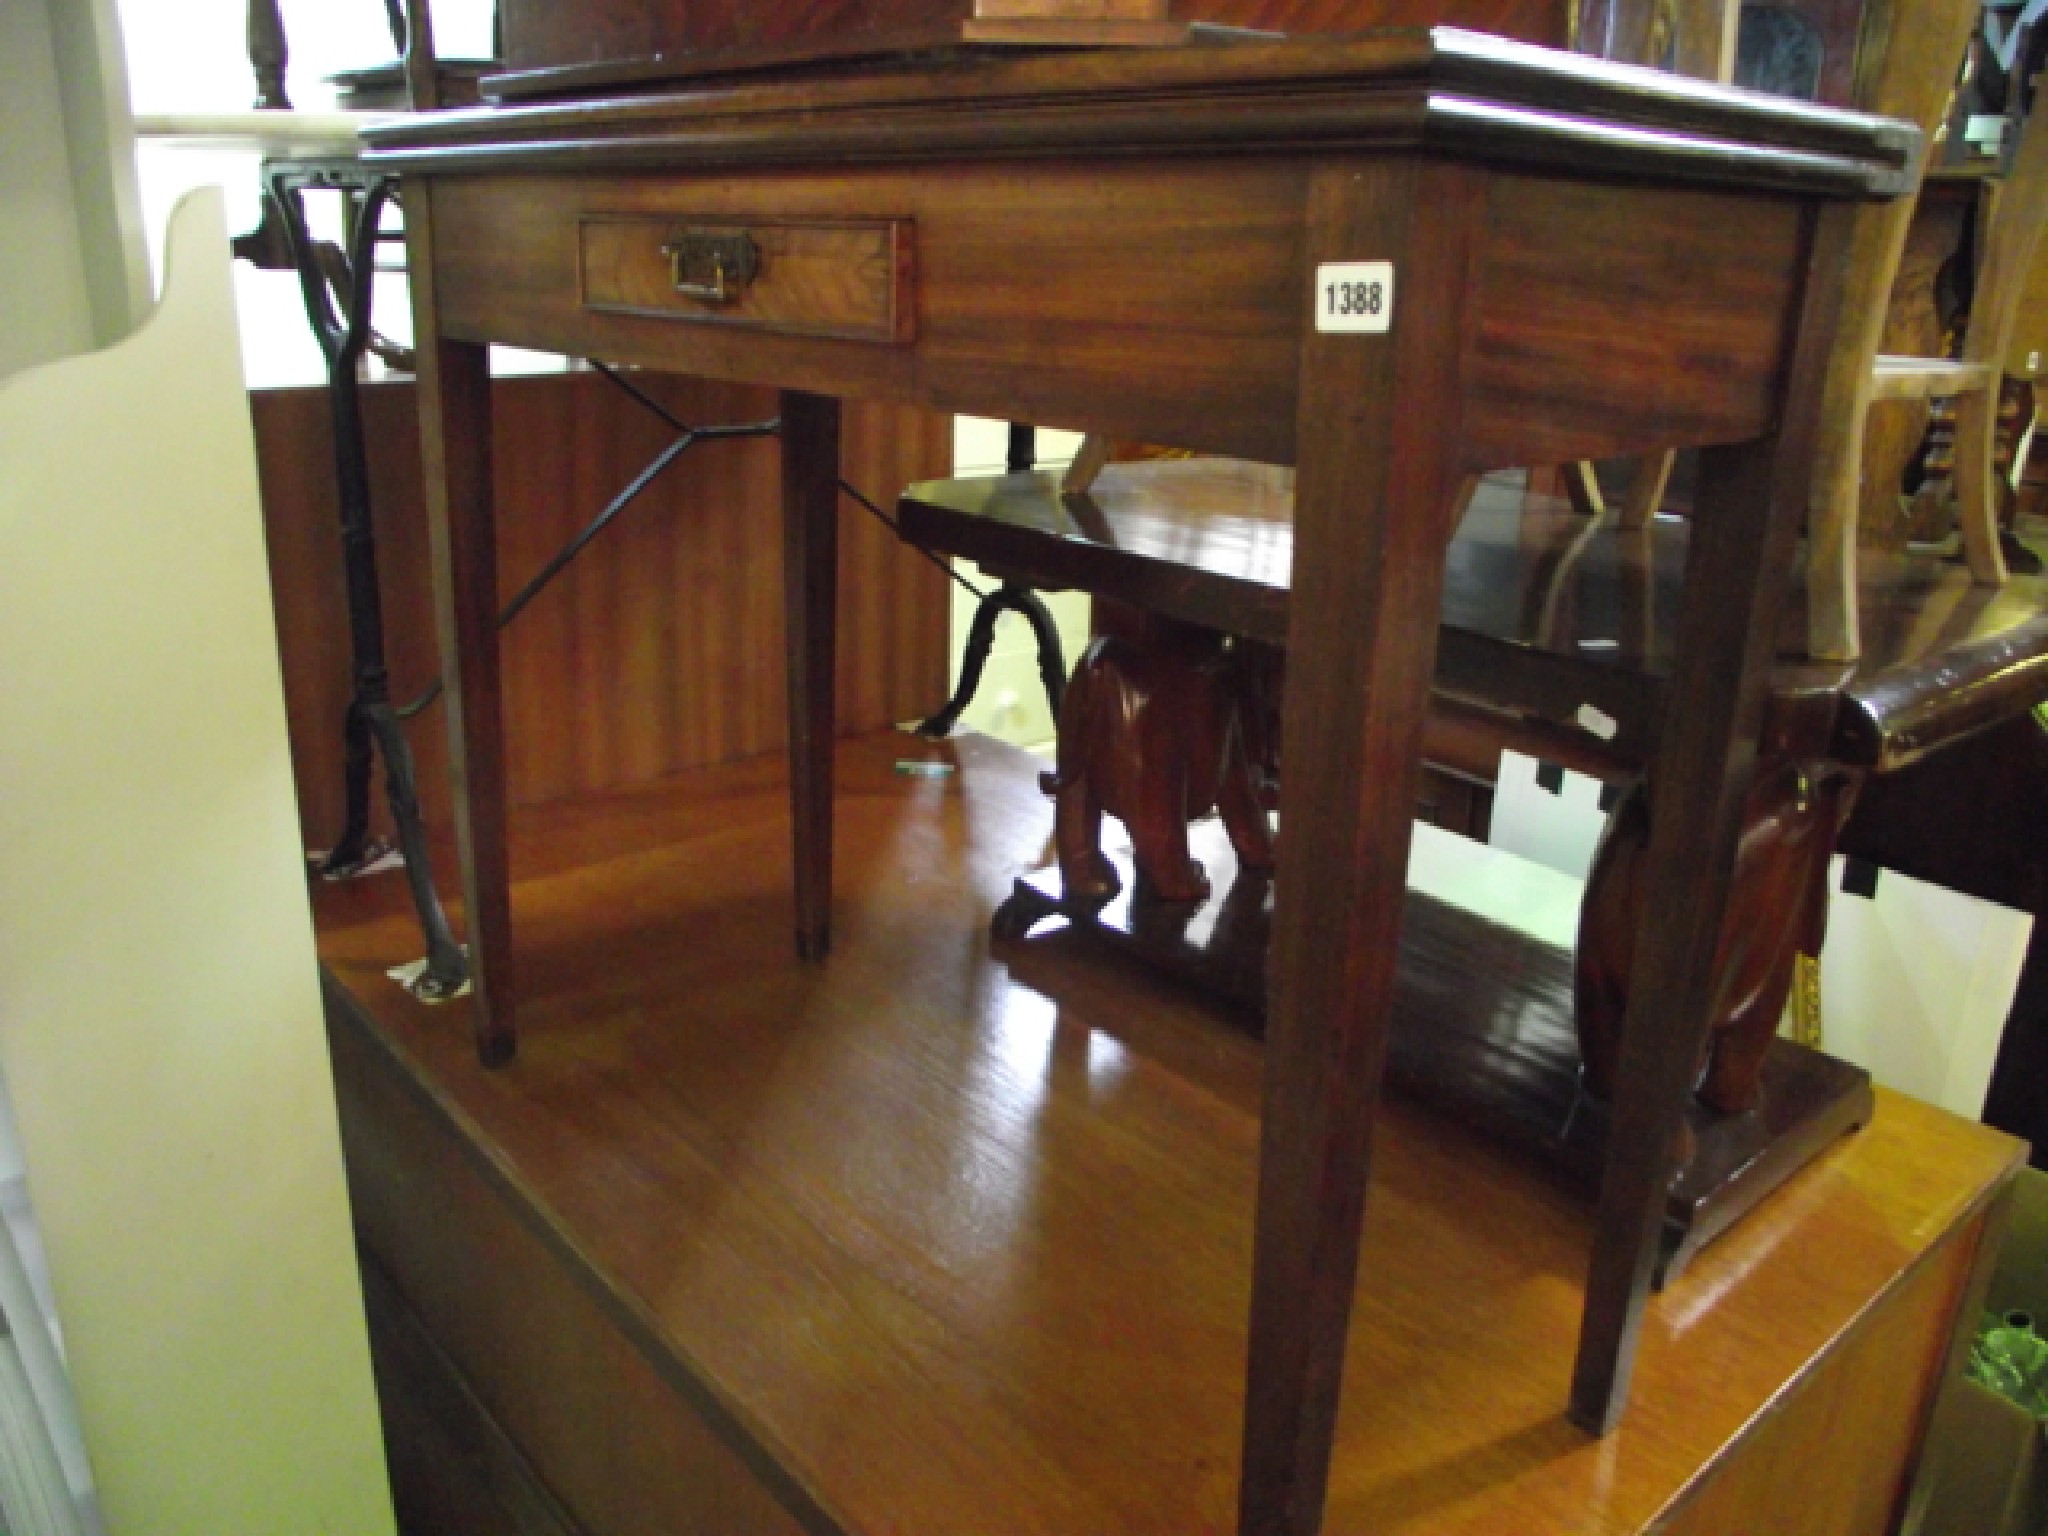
(661, 648)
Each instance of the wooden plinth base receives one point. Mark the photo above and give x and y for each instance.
(1483, 1030)
(927, 1238)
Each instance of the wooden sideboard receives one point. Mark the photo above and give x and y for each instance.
(940, 1238)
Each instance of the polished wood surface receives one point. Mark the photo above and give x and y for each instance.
(661, 642)
(1529, 583)
(1777, 911)
(1220, 325)
(454, 1470)
(1371, 92)
(555, 49)
(1486, 1029)
(1922, 317)
(956, 1244)
(455, 453)
(851, 280)
(810, 608)
(2010, 253)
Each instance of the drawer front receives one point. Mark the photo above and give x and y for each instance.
(851, 279)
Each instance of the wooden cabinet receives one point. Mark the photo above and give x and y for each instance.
(938, 1239)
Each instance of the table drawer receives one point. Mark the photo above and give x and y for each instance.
(850, 278)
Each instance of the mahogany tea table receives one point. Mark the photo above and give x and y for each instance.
(1395, 262)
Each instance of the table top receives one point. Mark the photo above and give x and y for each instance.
(1455, 92)
(964, 1236)
(1642, 242)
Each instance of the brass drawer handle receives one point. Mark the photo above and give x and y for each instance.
(714, 266)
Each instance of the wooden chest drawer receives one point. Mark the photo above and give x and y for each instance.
(851, 278)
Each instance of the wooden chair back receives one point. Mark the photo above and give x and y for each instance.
(1894, 58)
(1994, 347)
(1907, 58)
(422, 73)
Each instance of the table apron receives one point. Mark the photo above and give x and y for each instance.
(1165, 301)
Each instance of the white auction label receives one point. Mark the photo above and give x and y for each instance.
(1356, 296)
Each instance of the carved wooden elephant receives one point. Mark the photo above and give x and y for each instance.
(1153, 731)
(1777, 910)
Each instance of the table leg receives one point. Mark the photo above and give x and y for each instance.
(1375, 496)
(1747, 513)
(810, 524)
(455, 447)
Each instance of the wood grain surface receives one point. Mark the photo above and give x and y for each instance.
(1532, 590)
(660, 649)
(1033, 286)
(556, 49)
(1043, 293)
(938, 1239)
(1404, 87)
(850, 280)
(544, 33)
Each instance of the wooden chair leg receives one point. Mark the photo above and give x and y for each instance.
(1582, 488)
(1976, 484)
(1646, 490)
(1088, 462)
(1832, 633)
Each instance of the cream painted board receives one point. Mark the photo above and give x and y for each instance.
(1558, 829)
(1916, 983)
(160, 1021)
(1503, 888)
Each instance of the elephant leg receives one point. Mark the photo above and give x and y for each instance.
(1158, 823)
(1608, 917)
(1733, 1080)
(1778, 910)
(1244, 818)
(1086, 874)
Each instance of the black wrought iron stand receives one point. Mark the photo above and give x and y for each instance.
(1010, 597)
(336, 282)
(338, 294)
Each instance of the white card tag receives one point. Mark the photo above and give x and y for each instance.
(1355, 296)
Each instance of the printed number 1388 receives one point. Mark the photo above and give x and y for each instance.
(1355, 298)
